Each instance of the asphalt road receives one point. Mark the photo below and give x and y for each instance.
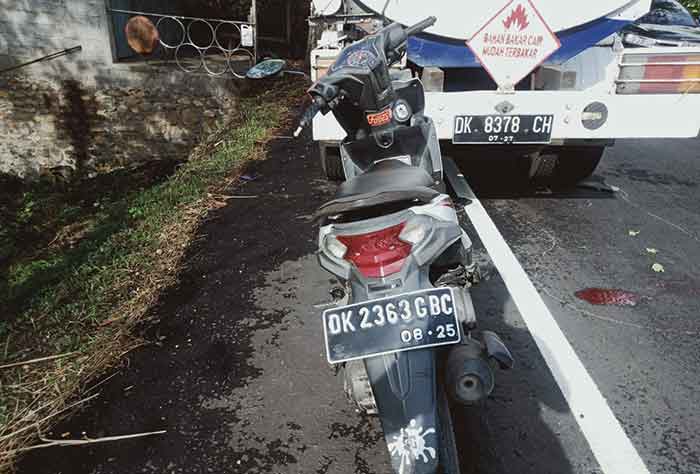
(237, 377)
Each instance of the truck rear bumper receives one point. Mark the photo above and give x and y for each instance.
(629, 116)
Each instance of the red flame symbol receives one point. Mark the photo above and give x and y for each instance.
(518, 17)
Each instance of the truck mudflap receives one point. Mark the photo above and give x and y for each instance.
(404, 387)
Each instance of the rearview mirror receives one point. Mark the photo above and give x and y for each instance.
(265, 69)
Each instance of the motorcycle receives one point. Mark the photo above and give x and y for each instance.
(405, 332)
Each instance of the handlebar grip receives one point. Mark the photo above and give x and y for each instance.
(309, 115)
(420, 26)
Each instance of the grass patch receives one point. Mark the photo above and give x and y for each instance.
(78, 290)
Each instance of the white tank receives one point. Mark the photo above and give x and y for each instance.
(461, 19)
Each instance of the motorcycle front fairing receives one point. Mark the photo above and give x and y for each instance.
(382, 118)
(415, 142)
(358, 82)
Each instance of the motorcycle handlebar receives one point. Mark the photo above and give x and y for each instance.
(309, 115)
(420, 26)
(396, 36)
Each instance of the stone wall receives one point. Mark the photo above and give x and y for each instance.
(67, 130)
(85, 113)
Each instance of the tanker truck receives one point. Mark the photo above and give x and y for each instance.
(547, 81)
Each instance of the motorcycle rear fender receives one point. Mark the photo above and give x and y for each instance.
(404, 387)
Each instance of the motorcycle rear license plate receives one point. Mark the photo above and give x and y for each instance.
(503, 129)
(417, 320)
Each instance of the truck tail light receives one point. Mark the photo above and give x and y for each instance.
(433, 79)
(377, 254)
(667, 73)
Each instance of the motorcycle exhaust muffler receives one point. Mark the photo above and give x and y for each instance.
(470, 377)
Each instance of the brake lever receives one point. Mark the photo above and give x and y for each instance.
(318, 105)
(308, 116)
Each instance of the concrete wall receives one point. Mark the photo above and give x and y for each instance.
(33, 28)
(84, 113)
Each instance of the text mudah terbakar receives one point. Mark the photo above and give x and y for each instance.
(510, 52)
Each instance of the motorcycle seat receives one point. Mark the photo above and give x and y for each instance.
(384, 182)
(386, 175)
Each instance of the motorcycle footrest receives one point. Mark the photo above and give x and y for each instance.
(497, 350)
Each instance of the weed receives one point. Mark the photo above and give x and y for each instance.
(82, 288)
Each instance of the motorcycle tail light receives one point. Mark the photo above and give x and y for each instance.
(447, 202)
(334, 246)
(377, 254)
(414, 232)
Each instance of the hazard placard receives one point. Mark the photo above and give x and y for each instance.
(513, 43)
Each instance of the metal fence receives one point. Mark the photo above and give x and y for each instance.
(213, 46)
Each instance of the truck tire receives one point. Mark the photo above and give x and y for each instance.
(332, 163)
(566, 166)
(575, 164)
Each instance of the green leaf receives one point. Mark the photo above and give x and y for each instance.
(692, 5)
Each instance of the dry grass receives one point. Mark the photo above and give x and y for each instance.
(106, 300)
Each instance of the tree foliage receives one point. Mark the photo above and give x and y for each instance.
(693, 6)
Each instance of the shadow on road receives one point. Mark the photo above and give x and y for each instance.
(506, 177)
(514, 430)
(200, 340)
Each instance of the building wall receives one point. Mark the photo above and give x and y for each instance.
(33, 28)
(83, 113)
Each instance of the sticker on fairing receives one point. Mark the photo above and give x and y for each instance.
(380, 118)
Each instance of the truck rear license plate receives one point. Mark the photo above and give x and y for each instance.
(417, 320)
(503, 129)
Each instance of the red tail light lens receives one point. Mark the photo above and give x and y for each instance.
(447, 202)
(377, 254)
